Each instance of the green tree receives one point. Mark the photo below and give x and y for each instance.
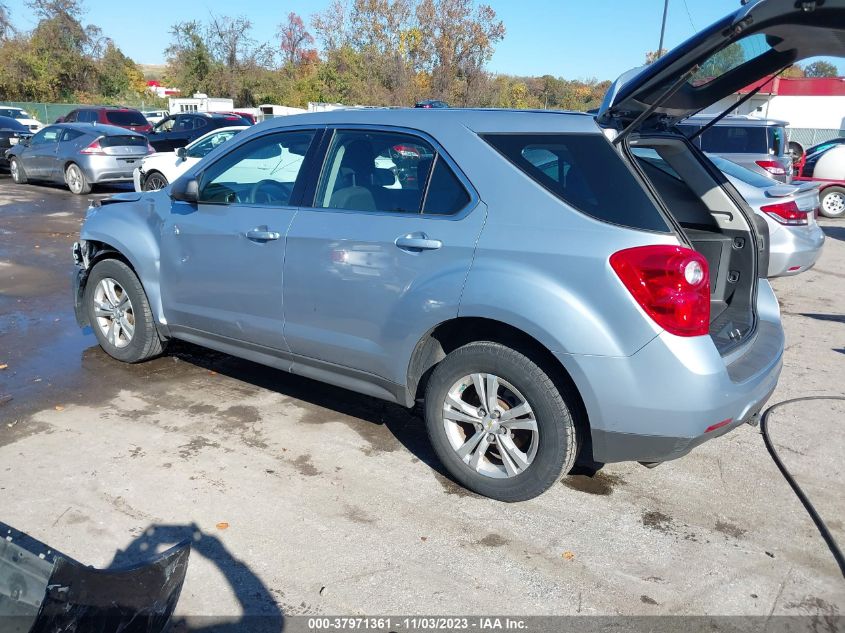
(732, 56)
(821, 68)
(189, 62)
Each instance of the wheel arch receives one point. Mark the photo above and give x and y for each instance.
(452, 334)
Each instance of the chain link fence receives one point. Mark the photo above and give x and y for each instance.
(49, 112)
(808, 137)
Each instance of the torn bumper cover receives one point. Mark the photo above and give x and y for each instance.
(42, 591)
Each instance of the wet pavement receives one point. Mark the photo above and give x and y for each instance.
(306, 499)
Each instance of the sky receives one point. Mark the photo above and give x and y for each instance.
(565, 38)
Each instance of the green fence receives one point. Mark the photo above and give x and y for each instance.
(49, 112)
(808, 137)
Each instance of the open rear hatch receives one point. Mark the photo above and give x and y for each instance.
(642, 108)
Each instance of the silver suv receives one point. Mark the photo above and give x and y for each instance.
(516, 272)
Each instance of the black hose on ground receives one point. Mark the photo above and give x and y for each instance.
(820, 524)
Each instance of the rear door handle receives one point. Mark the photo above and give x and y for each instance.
(415, 242)
(262, 235)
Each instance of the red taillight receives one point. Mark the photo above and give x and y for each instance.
(671, 283)
(786, 213)
(93, 149)
(406, 151)
(772, 166)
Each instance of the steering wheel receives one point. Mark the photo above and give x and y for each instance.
(270, 192)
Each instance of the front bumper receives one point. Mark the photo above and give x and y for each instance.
(138, 177)
(659, 403)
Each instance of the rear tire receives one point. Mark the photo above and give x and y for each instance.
(76, 180)
(120, 314)
(16, 169)
(832, 202)
(509, 457)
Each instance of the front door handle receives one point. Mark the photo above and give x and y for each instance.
(415, 242)
(261, 234)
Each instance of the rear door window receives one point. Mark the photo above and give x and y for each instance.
(375, 171)
(584, 171)
(446, 194)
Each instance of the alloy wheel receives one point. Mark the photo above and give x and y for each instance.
(74, 179)
(490, 425)
(114, 313)
(155, 182)
(13, 169)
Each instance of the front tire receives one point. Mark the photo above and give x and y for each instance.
(76, 180)
(498, 422)
(155, 181)
(120, 314)
(832, 203)
(18, 174)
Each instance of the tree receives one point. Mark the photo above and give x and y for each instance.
(6, 28)
(821, 68)
(294, 41)
(332, 26)
(653, 56)
(730, 57)
(189, 61)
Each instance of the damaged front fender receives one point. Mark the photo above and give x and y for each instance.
(42, 591)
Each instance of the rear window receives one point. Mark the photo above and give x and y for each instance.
(741, 173)
(584, 171)
(743, 139)
(123, 141)
(125, 117)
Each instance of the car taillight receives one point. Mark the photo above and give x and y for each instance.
(406, 152)
(671, 283)
(772, 166)
(786, 213)
(93, 149)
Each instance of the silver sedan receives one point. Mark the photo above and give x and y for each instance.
(79, 155)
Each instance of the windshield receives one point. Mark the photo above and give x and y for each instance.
(126, 117)
(14, 113)
(741, 173)
(204, 146)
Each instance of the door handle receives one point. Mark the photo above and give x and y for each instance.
(415, 242)
(262, 235)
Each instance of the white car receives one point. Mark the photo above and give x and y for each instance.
(154, 116)
(21, 116)
(158, 170)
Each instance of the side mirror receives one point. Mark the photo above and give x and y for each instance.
(181, 153)
(185, 190)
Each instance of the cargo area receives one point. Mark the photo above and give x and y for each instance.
(715, 227)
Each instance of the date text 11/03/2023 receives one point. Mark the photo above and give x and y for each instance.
(410, 624)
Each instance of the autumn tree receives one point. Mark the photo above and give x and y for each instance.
(653, 56)
(821, 68)
(295, 41)
(189, 61)
(6, 29)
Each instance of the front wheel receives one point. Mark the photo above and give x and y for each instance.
(155, 181)
(120, 314)
(76, 180)
(832, 202)
(18, 174)
(498, 423)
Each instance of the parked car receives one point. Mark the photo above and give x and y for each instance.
(158, 170)
(526, 286)
(795, 238)
(244, 115)
(758, 144)
(22, 116)
(180, 129)
(825, 166)
(79, 155)
(431, 103)
(154, 116)
(12, 132)
(127, 118)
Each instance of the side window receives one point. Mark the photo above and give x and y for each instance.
(70, 117)
(166, 125)
(200, 122)
(262, 172)
(183, 124)
(86, 116)
(375, 171)
(47, 135)
(577, 168)
(446, 195)
(70, 135)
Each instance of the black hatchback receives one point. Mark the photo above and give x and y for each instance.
(178, 130)
(11, 133)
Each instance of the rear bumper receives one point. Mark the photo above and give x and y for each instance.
(794, 250)
(101, 169)
(659, 403)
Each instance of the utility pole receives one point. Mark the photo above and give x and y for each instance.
(663, 28)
